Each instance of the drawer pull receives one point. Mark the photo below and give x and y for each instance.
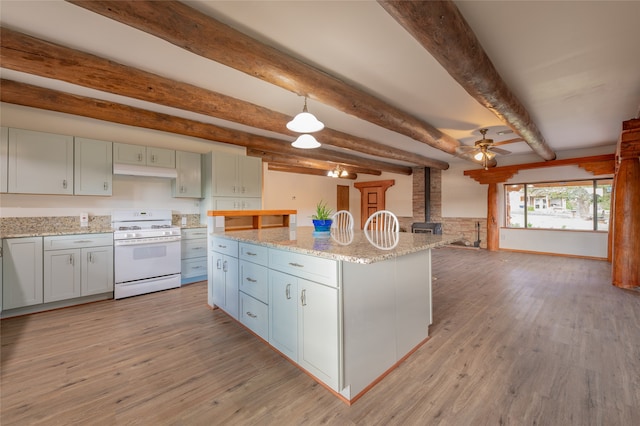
(82, 241)
(251, 315)
(297, 265)
(251, 280)
(251, 254)
(221, 246)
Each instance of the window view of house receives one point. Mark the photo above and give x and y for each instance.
(577, 205)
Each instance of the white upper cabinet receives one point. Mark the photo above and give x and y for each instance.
(161, 157)
(188, 184)
(129, 154)
(236, 175)
(4, 158)
(40, 163)
(93, 167)
(124, 153)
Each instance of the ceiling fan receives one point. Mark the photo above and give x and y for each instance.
(484, 149)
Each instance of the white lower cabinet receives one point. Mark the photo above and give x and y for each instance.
(83, 270)
(193, 255)
(22, 272)
(318, 350)
(255, 315)
(283, 313)
(304, 315)
(223, 275)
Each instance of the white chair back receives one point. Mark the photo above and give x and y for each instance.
(383, 220)
(342, 219)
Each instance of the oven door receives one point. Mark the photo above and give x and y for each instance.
(146, 260)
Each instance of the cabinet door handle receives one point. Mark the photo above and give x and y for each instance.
(224, 266)
(64, 183)
(303, 297)
(70, 259)
(251, 315)
(140, 157)
(287, 292)
(251, 280)
(297, 265)
(90, 257)
(243, 189)
(106, 186)
(219, 264)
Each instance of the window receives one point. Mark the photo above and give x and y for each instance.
(577, 205)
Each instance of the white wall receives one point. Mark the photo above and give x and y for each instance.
(302, 193)
(464, 197)
(461, 195)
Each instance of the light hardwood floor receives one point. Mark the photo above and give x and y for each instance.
(517, 339)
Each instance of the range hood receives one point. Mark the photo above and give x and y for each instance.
(137, 170)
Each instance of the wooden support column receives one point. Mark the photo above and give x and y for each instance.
(493, 213)
(626, 229)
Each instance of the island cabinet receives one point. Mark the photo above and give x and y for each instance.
(303, 321)
(347, 315)
(254, 289)
(223, 275)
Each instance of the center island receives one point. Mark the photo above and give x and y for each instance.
(345, 307)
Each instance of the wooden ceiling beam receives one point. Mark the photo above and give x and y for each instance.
(203, 35)
(37, 97)
(442, 30)
(306, 162)
(305, 171)
(24, 53)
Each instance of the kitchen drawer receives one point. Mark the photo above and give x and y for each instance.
(193, 248)
(324, 271)
(254, 253)
(194, 233)
(61, 242)
(224, 246)
(254, 280)
(194, 267)
(255, 315)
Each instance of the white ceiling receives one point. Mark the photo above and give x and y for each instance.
(573, 64)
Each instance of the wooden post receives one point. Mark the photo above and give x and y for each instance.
(625, 265)
(493, 211)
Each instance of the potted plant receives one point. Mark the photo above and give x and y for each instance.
(322, 219)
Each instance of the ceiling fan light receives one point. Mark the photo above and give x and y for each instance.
(479, 156)
(305, 142)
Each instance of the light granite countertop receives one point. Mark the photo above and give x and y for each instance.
(356, 247)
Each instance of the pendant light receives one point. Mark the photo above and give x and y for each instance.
(305, 141)
(305, 122)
